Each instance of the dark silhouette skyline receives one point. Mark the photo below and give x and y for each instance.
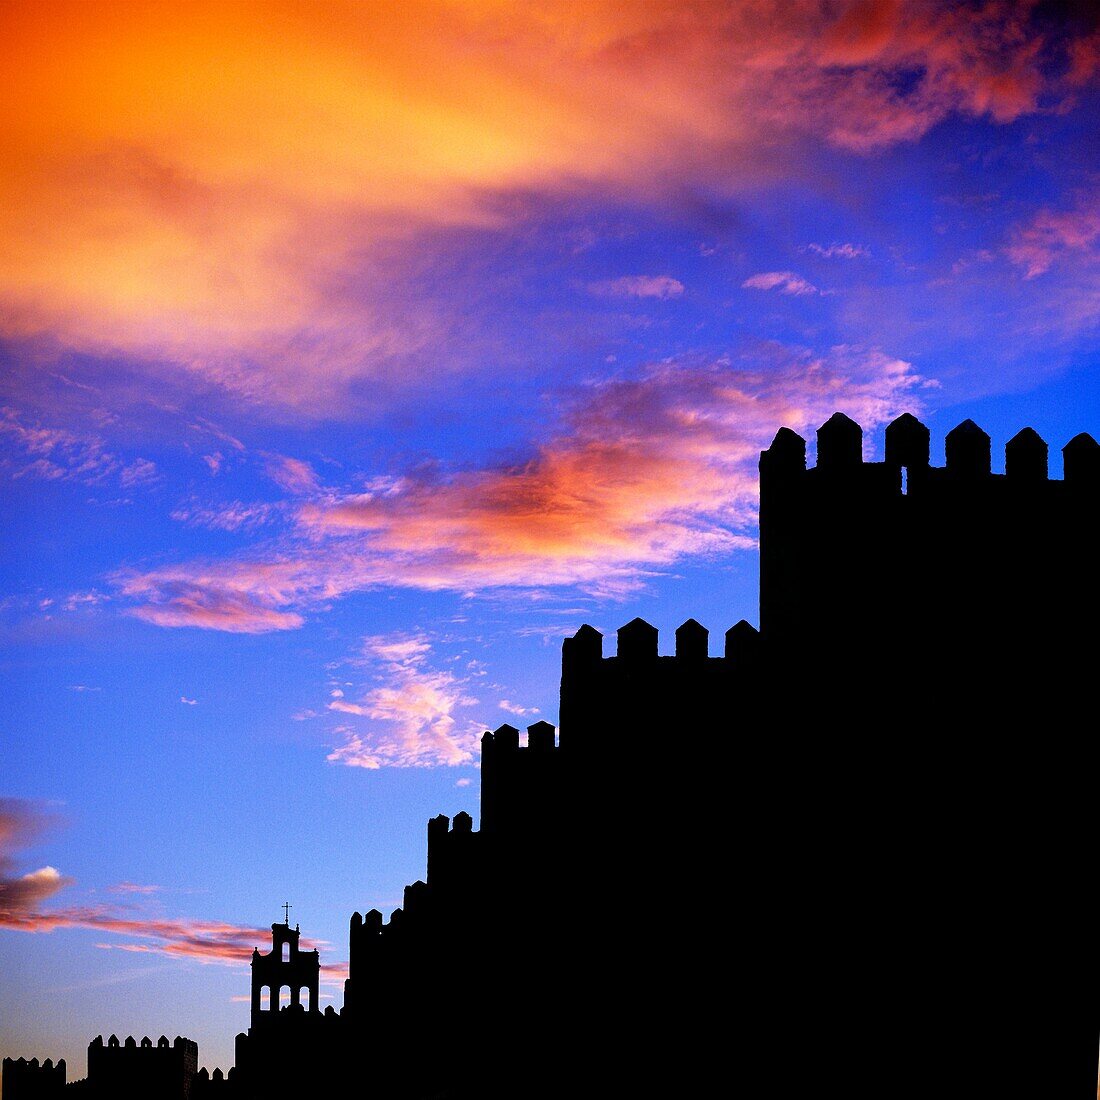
(866, 874)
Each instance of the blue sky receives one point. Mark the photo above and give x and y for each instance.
(353, 357)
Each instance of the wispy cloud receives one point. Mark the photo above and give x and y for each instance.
(292, 475)
(644, 473)
(638, 286)
(840, 251)
(57, 454)
(133, 888)
(786, 282)
(412, 709)
(232, 515)
(515, 708)
(1053, 235)
(75, 601)
(188, 702)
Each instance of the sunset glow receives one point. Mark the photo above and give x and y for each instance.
(356, 353)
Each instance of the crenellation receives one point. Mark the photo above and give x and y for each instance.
(786, 455)
(839, 443)
(908, 443)
(540, 739)
(584, 648)
(506, 738)
(637, 642)
(1081, 462)
(27, 1079)
(1026, 457)
(742, 641)
(691, 641)
(967, 455)
(967, 451)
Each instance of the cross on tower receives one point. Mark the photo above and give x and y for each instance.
(286, 913)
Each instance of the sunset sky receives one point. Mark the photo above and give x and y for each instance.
(354, 354)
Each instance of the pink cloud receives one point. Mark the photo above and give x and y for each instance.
(642, 473)
(639, 286)
(186, 599)
(292, 475)
(786, 282)
(202, 940)
(412, 709)
(1052, 235)
(133, 888)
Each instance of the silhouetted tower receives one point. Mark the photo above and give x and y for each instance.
(284, 967)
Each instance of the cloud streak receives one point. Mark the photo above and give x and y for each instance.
(638, 286)
(22, 895)
(844, 251)
(201, 940)
(644, 473)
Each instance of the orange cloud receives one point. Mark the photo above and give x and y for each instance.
(644, 473)
(200, 184)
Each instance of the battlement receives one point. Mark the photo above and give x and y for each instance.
(541, 737)
(638, 642)
(638, 688)
(208, 1084)
(180, 1044)
(967, 455)
(850, 549)
(28, 1079)
(135, 1067)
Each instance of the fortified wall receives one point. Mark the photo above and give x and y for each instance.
(865, 831)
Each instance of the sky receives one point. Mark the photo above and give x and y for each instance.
(354, 354)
